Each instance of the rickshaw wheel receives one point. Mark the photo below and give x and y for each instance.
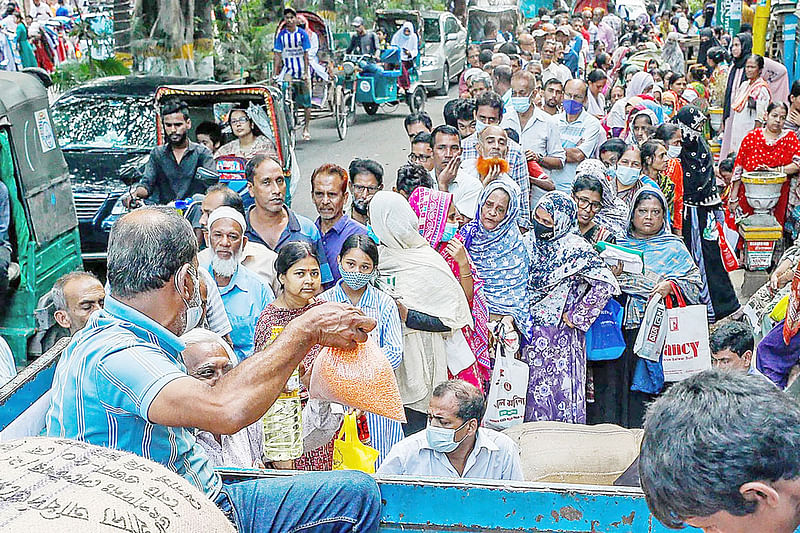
(350, 107)
(391, 107)
(371, 108)
(416, 100)
(340, 112)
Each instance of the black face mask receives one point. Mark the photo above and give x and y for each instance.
(542, 232)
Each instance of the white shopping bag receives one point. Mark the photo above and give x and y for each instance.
(650, 339)
(686, 348)
(507, 391)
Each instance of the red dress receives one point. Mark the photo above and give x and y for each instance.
(272, 316)
(756, 151)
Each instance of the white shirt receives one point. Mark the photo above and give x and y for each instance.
(243, 449)
(8, 368)
(540, 135)
(557, 71)
(40, 12)
(466, 188)
(585, 133)
(596, 106)
(495, 456)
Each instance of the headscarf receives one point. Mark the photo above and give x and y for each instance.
(673, 54)
(500, 256)
(777, 77)
(614, 213)
(704, 46)
(751, 91)
(634, 69)
(699, 183)
(639, 83)
(422, 277)
(738, 64)
(431, 206)
(556, 260)
(670, 97)
(410, 43)
(640, 110)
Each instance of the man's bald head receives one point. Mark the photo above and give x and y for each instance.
(493, 142)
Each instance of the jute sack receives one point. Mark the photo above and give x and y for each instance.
(68, 486)
(573, 453)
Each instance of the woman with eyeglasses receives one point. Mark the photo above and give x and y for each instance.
(249, 139)
(587, 191)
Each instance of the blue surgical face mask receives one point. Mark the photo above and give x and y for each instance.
(443, 439)
(668, 109)
(674, 151)
(520, 103)
(356, 280)
(371, 235)
(572, 107)
(480, 126)
(450, 231)
(627, 175)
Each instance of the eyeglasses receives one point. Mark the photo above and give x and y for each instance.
(583, 203)
(418, 158)
(240, 120)
(361, 188)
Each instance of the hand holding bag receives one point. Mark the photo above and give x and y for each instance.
(650, 339)
(604, 340)
(508, 389)
(686, 348)
(349, 453)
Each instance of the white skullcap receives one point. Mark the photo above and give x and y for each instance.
(226, 212)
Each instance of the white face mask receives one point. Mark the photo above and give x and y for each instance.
(627, 175)
(674, 151)
(194, 307)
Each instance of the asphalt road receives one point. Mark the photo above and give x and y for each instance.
(380, 137)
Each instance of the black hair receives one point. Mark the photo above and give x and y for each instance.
(508, 48)
(444, 129)
(449, 112)
(759, 60)
(795, 92)
(253, 164)
(728, 164)
(485, 56)
(363, 243)
(773, 105)
(673, 77)
(587, 182)
(471, 402)
(666, 131)
(357, 166)
(734, 336)
(717, 54)
(292, 252)
(489, 27)
(289, 11)
(491, 99)
(422, 137)
(614, 144)
(649, 149)
(596, 75)
(410, 176)
(212, 129)
(414, 118)
(601, 59)
(230, 197)
(253, 126)
(172, 106)
(746, 28)
(512, 134)
(552, 81)
(465, 109)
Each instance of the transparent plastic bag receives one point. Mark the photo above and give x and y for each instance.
(361, 378)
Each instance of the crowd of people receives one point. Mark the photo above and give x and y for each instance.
(572, 132)
(39, 36)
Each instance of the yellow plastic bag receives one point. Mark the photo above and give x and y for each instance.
(349, 453)
(778, 313)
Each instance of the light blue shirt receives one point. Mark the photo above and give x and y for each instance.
(103, 386)
(244, 297)
(495, 456)
(585, 133)
(384, 432)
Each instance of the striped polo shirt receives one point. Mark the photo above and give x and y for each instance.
(292, 46)
(104, 384)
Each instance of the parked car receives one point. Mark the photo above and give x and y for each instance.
(445, 54)
(106, 129)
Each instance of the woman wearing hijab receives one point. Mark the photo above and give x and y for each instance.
(438, 224)
(641, 84)
(406, 39)
(641, 125)
(707, 41)
(703, 209)
(672, 53)
(431, 302)
(669, 103)
(741, 48)
(614, 213)
(569, 285)
(495, 245)
(620, 398)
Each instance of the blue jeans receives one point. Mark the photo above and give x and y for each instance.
(324, 502)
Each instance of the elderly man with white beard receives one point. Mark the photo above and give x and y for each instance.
(243, 293)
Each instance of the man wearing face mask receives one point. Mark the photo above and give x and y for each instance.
(453, 444)
(243, 293)
(121, 382)
(581, 133)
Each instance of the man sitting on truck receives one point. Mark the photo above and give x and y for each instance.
(177, 169)
(75, 297)
(454, 444)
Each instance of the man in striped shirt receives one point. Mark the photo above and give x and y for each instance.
(121, 382)
(291, 63)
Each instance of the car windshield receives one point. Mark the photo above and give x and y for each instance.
(431, 31)
(92, 121)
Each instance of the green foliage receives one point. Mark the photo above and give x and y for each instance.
(71, 73)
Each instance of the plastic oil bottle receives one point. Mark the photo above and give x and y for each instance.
(283, 434)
